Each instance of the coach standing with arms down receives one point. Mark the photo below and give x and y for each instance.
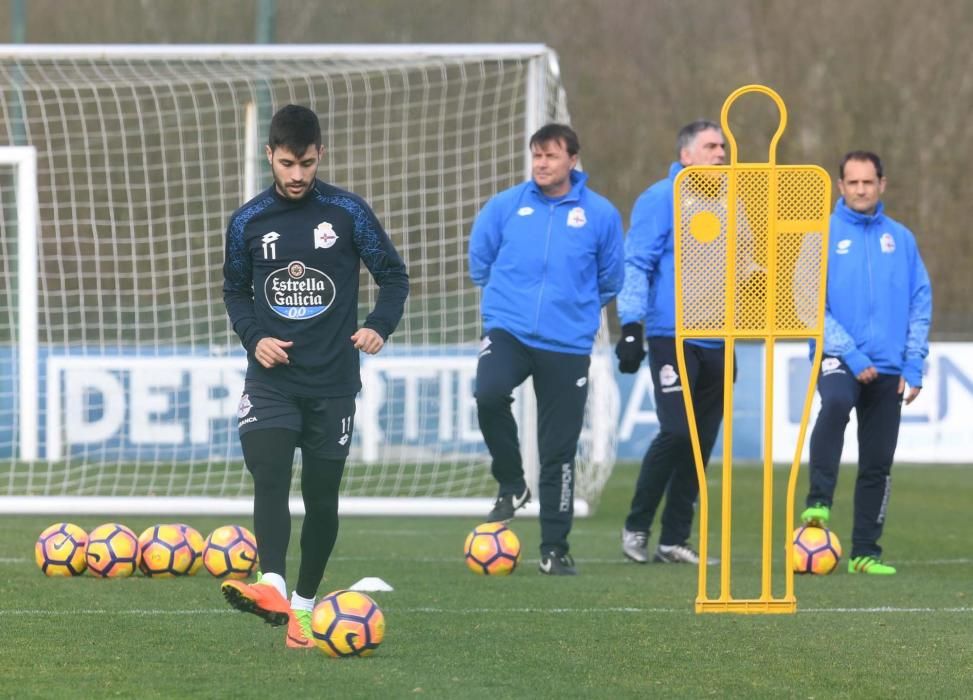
(548, 254)
(668, 468)
(876, 335)
(290, 284)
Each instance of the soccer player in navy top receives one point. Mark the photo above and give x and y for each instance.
(290, 284)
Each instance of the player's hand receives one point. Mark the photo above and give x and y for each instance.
(271, 352)
(368, 341)
(913, 391)
(867, 375)
(629, 350)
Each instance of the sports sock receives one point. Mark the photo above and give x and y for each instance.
(299, 602)
(275, 580)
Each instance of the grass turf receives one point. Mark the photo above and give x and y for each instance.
(616, 630)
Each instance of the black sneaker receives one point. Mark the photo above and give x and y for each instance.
(504, 507)
(554, 564)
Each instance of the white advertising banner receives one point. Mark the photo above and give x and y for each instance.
(936, 427)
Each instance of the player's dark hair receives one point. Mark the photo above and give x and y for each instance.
(295, 128)
(688, 134)
(557, 132)
(861, 156)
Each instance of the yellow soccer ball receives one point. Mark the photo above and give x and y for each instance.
(60, 550)
(347, 623)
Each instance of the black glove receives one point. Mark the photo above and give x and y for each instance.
(629, 350)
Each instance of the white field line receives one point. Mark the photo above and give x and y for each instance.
(478, 611)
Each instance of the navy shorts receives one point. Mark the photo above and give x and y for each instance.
(324, 426)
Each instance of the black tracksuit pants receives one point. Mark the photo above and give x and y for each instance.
(668, 468)
(561, 387)
(878, 405)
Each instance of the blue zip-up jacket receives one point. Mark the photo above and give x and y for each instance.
(879, 300)
(547, 266)
(649, 292)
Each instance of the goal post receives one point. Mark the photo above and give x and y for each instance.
(127, 371)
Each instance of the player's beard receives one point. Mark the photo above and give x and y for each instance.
(284, 191)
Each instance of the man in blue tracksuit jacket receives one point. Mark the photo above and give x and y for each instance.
(668, 468)
(877, 316)
(548, 255)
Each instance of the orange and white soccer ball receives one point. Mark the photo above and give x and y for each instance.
(113, 551)
(230, 552)
(60, 550)
(816, 550)
(347, 623)
(492, 549)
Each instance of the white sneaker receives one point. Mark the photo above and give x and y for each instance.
(680, 554)
(635, 545)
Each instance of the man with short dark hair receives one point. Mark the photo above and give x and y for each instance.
(876, 335)
(668, 468)
(548, 255)
(290, 284)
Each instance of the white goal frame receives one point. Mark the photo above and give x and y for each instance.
(541, 61)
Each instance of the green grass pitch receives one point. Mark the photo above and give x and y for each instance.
(618, 630)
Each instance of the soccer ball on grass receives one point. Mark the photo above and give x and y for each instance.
(60, 550)
(113, 551)
(230, 552)
(196, 543)
(816, 550)
(347, 623)
(492, 549)
(165, 552)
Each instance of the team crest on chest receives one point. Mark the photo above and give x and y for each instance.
(887, 243)
(576, 218)
(324, 235)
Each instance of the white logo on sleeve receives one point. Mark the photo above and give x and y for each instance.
(576, 218)
(525, 211)
(324, 235)
(843, 247)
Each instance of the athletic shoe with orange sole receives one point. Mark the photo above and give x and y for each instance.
(261, 599)
(299, 635)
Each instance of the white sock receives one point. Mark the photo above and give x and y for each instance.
(275, 580)
(301, 603)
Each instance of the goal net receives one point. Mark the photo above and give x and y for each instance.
(119, 373)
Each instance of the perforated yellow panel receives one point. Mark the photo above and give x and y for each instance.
(751, 255)
(749, 250)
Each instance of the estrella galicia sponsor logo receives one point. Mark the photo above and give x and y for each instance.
(299, 292)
